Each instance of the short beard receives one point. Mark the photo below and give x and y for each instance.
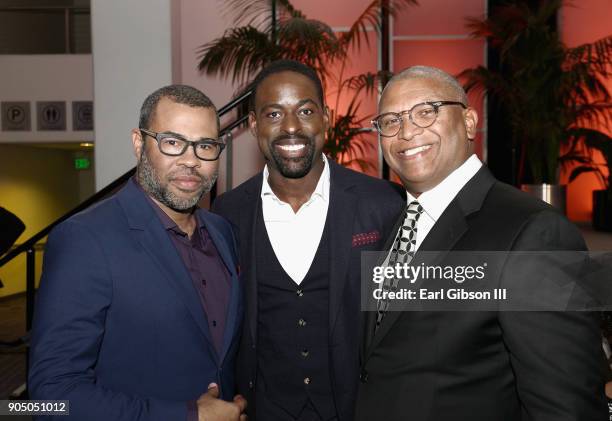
(294, 167)
(150, 181)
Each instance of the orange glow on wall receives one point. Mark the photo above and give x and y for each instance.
(583, 22)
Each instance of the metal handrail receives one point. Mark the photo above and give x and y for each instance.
(234, 103)
(29, 246)
(29, 243)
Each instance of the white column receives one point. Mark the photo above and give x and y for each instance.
(132, 56)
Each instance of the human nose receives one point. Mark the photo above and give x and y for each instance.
(408, 129)
(290, 124)
(189, 158)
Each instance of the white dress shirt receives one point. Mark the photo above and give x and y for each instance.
(295, 236)
(436, 200)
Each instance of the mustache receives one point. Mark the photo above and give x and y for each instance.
(185, 173)
(282, 137)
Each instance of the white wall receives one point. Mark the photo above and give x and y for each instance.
(50, 77)
(132, 56)
(139, 46)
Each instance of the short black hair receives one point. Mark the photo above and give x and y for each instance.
(181, 94)
(280, 66)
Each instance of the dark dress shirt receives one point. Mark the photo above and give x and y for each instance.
(209, 275)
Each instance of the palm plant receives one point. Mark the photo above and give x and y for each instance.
(548, 92)
(262, 36)
(583, 145)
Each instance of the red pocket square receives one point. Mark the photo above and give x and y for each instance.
(364, 238)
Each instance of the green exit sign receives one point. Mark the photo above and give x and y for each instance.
(81, 163)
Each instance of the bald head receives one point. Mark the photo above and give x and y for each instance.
(432, 73)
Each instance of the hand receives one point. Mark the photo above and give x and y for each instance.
(211, 408)
(609, 390)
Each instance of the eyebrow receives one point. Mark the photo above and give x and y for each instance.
(299, 104)
(183, 137)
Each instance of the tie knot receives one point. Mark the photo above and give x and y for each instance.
(414, 209)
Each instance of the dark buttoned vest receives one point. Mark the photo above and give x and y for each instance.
(293, 331)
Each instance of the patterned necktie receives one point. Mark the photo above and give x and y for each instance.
(402, 252)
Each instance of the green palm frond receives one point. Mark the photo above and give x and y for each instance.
(597, 55)
(345, 141)
(480, 80)
(309, 41)
(257, 13)
(368, 82)
(542, 87)
(240, 52)
(591, 140)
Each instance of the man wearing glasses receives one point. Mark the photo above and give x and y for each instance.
(469, 365)
(139, 308)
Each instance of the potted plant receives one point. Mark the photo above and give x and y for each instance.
(270, 30)
(583, 143)
(544, 89)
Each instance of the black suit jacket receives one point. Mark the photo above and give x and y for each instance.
(359, 204)
(483, 365)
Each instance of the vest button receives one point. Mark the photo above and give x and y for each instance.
(301, 322)
(304, 353)
(299, 292)
(307, 380)
(363, 376)
(251, 385)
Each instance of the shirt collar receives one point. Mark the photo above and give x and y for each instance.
(436, 200)
(321, 190)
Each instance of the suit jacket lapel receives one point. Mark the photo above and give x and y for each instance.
(370, 317)
(155, 241)
(249, 218)
(449, 228)
(222, 245)
(341, 213)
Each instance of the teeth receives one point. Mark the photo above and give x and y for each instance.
(292, 148)
(414, 151)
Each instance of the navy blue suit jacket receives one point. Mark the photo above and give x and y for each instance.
(119, 329)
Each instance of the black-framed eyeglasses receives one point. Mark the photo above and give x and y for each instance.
(172, 144)
(421, 115)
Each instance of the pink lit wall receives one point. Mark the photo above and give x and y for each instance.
(434, 34)
(340, 15)
(585, 21)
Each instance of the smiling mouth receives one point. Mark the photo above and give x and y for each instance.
(291, 148)
(415, 151)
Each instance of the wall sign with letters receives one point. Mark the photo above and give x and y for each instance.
(15, 116)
